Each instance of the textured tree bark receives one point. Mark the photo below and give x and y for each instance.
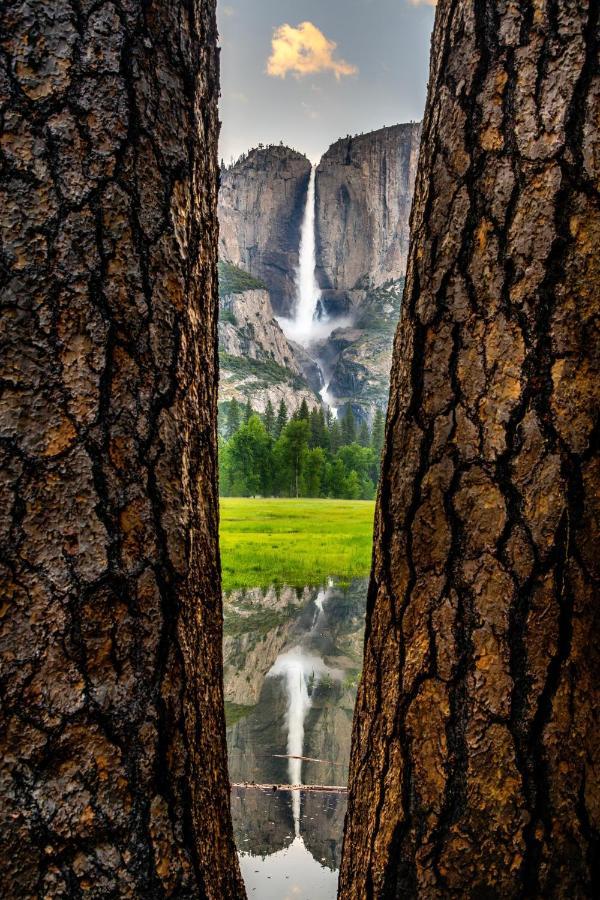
(476, 743)
(113, 779)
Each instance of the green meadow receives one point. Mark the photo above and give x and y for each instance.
(295, 542)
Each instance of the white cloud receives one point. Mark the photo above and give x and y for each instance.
(304, 51)
(227, 11)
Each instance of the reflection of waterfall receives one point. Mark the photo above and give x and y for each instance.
(309, 325)
(318, 608)
(320, 599)
(299, 706)
(299, 670)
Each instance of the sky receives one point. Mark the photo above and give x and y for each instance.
(307, 72)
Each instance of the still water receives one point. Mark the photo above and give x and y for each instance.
(292, 660)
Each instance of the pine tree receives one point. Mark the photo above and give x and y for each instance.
(378, 432)
(302, 411)
(282, 417)
(247, 411)
(315, 439)
(269, 419)
(335, 436)
(338, 476)
(314, 469)
(367, 489)
(348, 427)
(364, 438)
(352, 487)
(248, 455)
(294, 442)
(233, 418)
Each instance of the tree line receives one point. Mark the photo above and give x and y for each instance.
(308, 454)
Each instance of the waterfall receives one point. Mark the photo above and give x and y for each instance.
(299, 705)
(293, 667)
(306, 283)
(308, 325)
(303, 327)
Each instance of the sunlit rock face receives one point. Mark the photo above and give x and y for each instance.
(249, 331)
(364, 189)
(261, 204)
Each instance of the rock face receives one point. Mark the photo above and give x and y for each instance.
(359, 357)
(248, 328)
(257, 361)
(260, 213)
(260, 382)
(364, 188)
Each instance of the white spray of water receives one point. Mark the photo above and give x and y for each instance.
(327, 399)
(307, 326)
(298, 667)
(322, 596)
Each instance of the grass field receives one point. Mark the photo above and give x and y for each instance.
(295, 542)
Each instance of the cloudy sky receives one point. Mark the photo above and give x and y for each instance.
(306, 72)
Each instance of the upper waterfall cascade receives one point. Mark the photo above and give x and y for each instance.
(308, 292)
(306, 326)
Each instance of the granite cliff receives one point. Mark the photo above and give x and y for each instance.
(260, 210)
(363, 193)
(257, 362)
(364, 188)
(357, 358)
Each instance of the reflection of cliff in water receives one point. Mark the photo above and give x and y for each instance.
(263, 823)
(272, 639)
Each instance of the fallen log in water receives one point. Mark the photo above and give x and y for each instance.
(323, 788)
(328, 762)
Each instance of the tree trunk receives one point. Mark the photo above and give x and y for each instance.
(114, 779)
(476, 745)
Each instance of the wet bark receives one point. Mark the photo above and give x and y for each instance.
(476, 745)
(113, 776)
